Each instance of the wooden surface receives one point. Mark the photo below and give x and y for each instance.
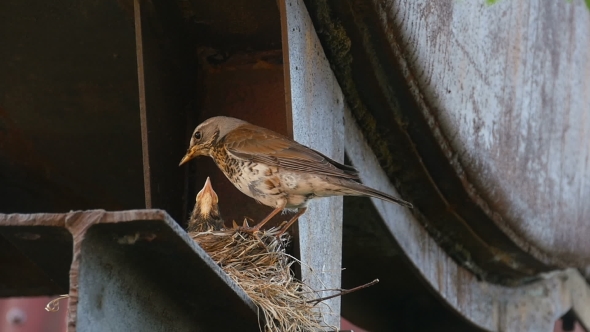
(315, 103)
(508, 86)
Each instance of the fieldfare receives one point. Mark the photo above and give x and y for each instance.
(273, 169)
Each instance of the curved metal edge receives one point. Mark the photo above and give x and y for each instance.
(411, 147)
(453, 160)
(532, 307)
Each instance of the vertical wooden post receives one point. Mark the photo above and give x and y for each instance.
(315, 107)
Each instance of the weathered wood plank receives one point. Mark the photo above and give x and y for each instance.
(315, 103)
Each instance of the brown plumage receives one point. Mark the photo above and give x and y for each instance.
(205, 214)
(273, 169)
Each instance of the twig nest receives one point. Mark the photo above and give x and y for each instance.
(259, 265)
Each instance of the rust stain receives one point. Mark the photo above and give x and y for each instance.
(21, 154)
(15, 144)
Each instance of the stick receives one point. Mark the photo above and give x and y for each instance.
(344, 292)
(53, 305)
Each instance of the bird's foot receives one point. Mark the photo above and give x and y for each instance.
(283, 227)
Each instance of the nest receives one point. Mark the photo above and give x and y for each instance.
(259, 265)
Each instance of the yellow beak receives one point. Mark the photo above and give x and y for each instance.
(208, 190)
(190, 154)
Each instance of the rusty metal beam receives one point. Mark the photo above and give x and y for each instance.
(248, 86)
(36, 260)
(69, 129)
(147, 181)
(131, 270)
(166, 68)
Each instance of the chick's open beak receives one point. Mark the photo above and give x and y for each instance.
(190, 154)
(206, 200)
(208, 190)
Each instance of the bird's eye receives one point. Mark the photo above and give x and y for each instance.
(198, 135)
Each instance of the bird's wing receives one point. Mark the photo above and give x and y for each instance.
(265, 146)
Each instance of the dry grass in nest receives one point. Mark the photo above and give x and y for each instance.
(260, 266)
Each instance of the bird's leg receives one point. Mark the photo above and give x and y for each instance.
(293, 220)
(264, 221)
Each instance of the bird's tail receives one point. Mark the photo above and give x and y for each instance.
(366, 191)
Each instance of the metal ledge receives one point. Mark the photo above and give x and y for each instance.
(130, 270)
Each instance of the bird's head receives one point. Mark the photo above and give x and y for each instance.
(207, 201)
(207, 134)
(205, 215)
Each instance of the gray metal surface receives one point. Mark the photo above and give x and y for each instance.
(532, 307)
(315, 103)
(396, 102)
(137, 270)
(401, 301)
(508, 85)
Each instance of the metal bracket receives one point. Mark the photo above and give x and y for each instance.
(315, 105)
(130, 271)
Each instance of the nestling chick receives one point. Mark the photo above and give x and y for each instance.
(205, 214)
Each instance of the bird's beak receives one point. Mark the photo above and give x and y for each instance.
(190, 154)
(207, 197)
(208, 189)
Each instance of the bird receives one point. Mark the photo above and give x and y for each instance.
(205, 215)
(274, 169)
